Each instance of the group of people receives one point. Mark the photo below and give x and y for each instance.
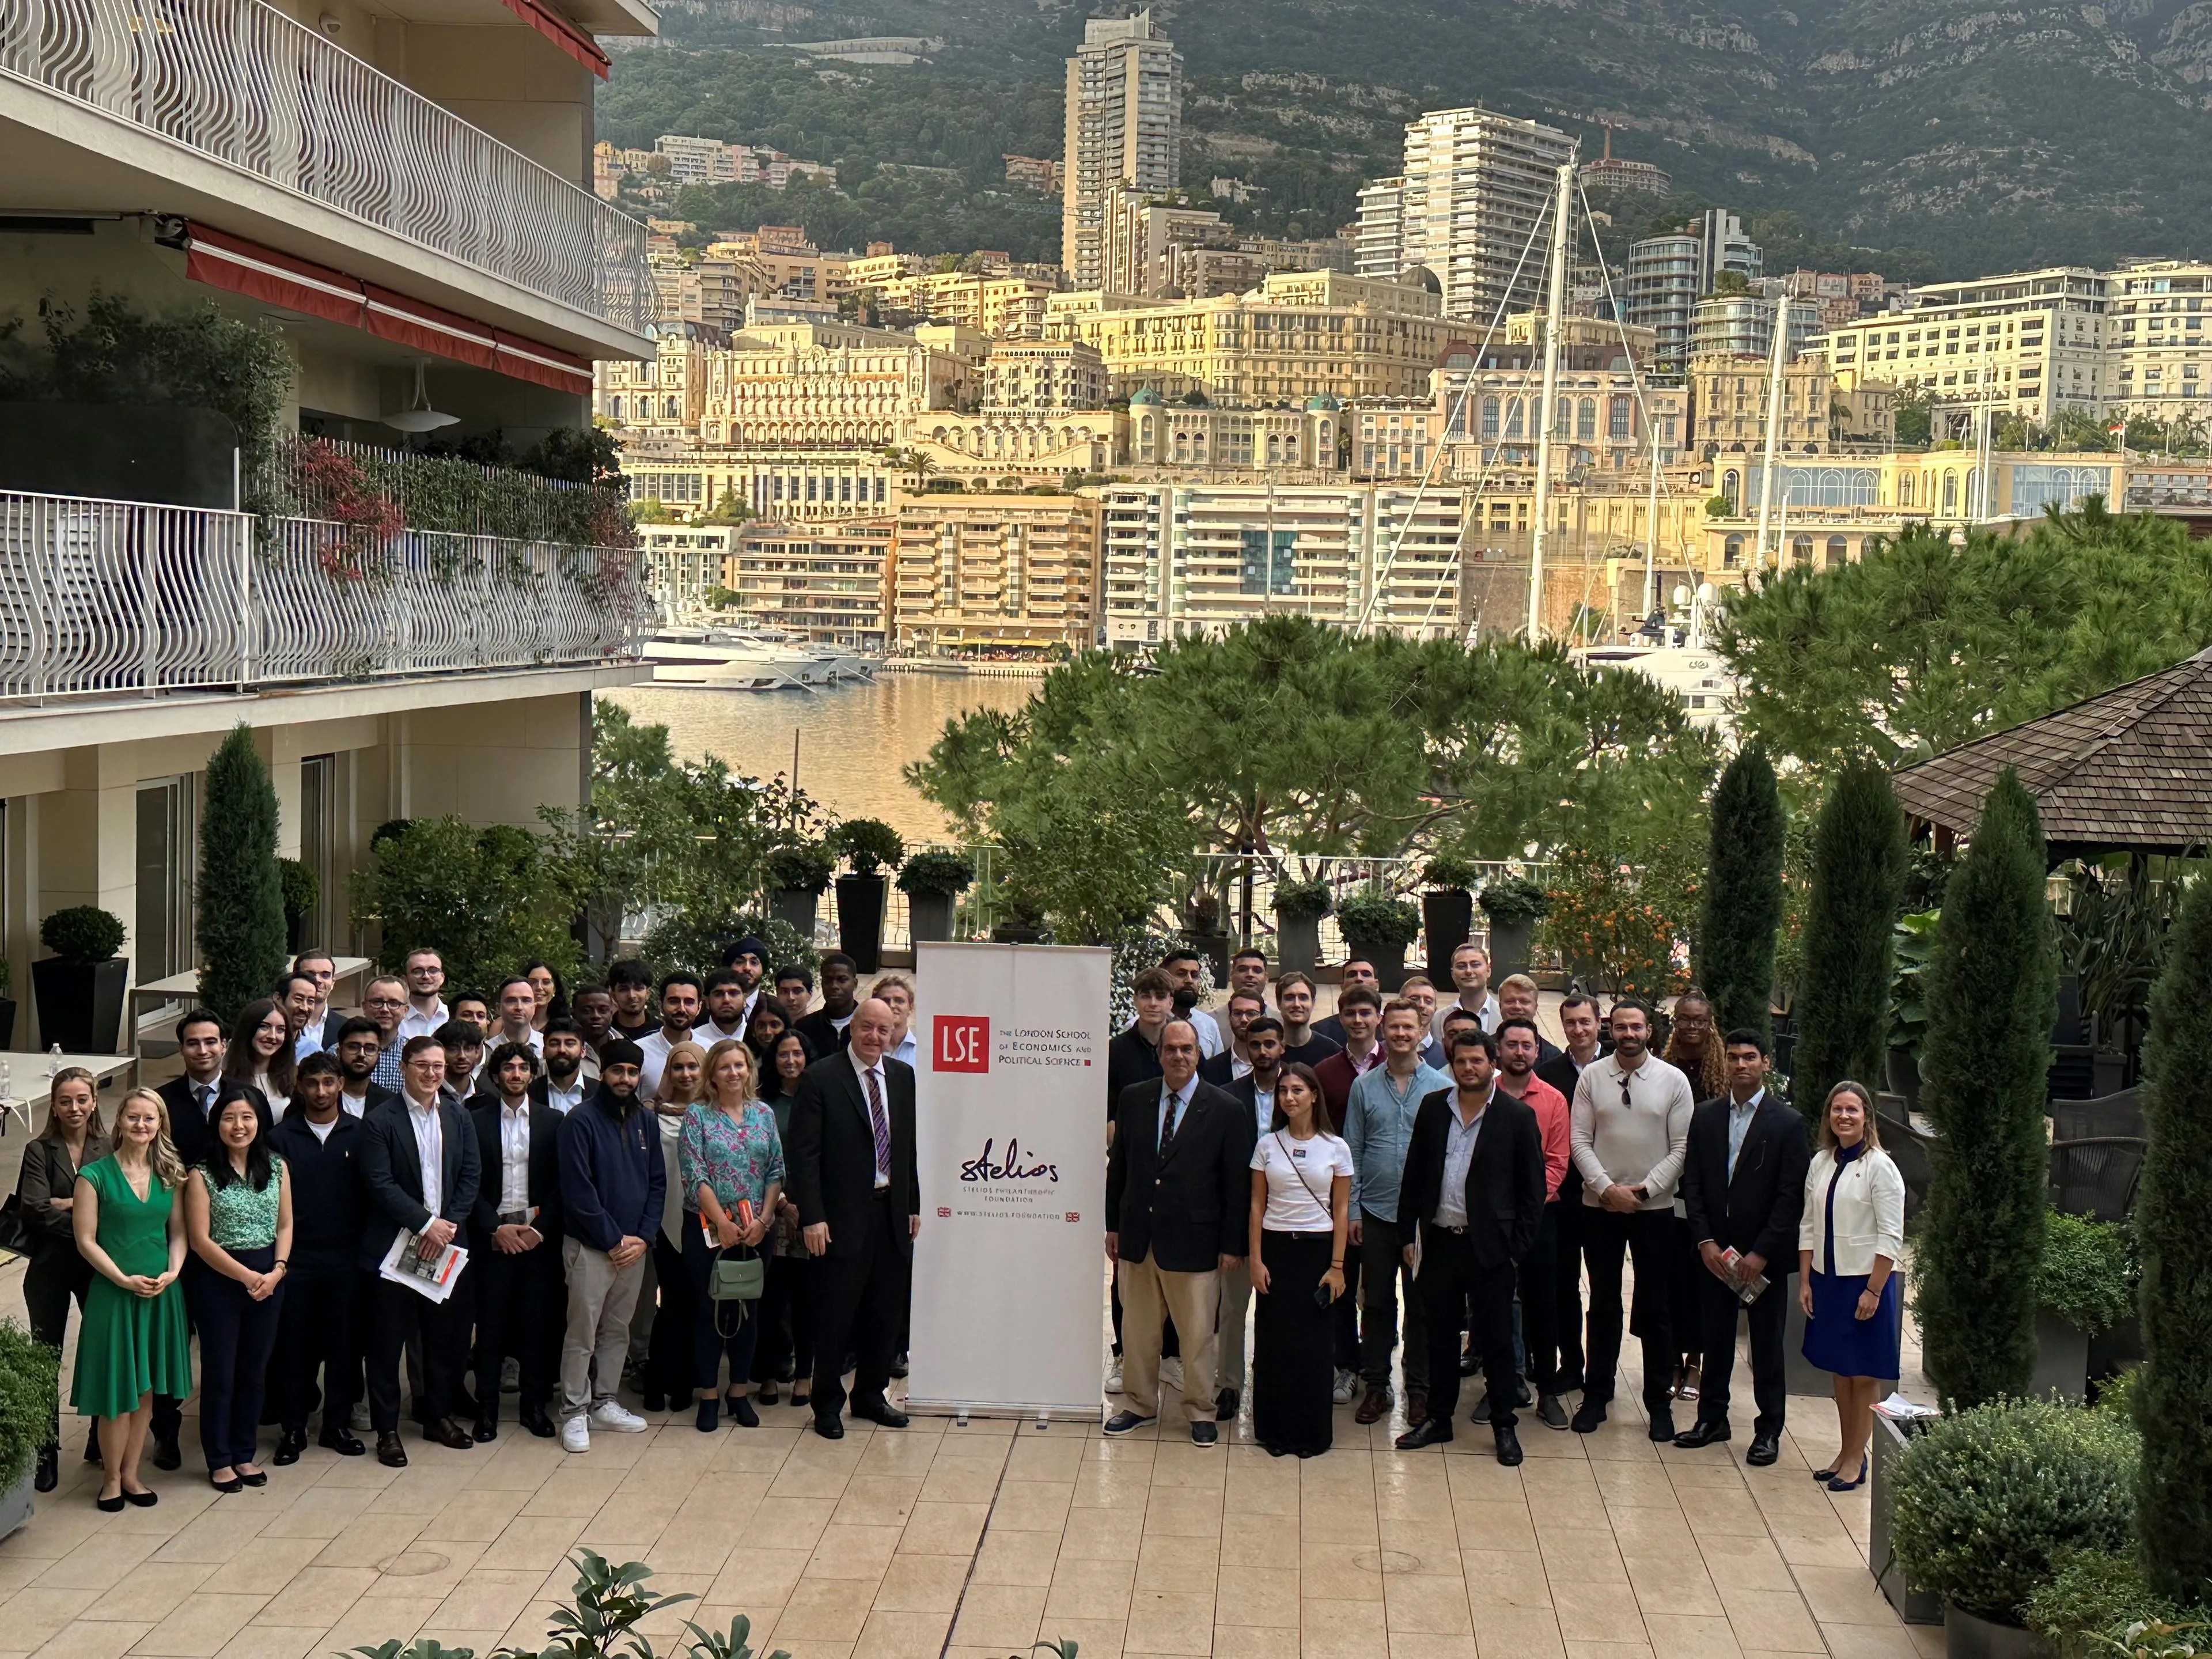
(704, 1186)
(1320, 1172)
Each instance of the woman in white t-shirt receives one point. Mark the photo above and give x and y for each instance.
(1301, 1197)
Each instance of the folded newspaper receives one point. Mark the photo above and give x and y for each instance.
(434, 1276)
(1746, 1289)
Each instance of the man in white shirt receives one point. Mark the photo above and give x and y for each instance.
(564, 1084)
(425, 972)
(518, 1007)
(896, 993)
(1631, 1129)
(1470, 972)
(1248, 974)
(727, 1010)
(321, 967)
(680, 1013)
(1184, 968)
(514, 1237)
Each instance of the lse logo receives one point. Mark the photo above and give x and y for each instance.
(960, 1042)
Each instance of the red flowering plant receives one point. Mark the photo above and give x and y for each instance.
(362, 521)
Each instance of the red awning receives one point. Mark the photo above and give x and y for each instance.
(274, 278)
(563, 33)
(230, 262)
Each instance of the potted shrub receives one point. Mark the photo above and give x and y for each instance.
(796, 876)
(1203, 932)
(1378, 929)
(79, 988)
(30, 1384)
(1299, 907)
(1447, 911)
(7, 1004)
(303, 891)
(1021, 921)
(1514, 907)
(1987, 1502)
(2082, 1290)
(932, 881)
(870, 846)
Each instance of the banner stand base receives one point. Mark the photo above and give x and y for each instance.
(963, 1412)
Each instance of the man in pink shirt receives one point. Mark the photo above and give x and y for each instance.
(1518, 1045)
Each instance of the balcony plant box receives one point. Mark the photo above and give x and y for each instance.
(797, 874)
(79, 989)
(1447, 912)
(870, 846)
(1915, 1607)
(933, 882)
(1299, 907)
(1377, 930)
(1513, 907)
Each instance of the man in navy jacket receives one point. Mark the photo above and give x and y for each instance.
(613, 1184)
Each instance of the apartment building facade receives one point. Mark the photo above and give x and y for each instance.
(1666, 275)
(1729, 398)
(1124, 128)
(814, 384)
(822, 581)
(995, 574)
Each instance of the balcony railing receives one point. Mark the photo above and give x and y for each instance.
(120, 598)
(243, 84)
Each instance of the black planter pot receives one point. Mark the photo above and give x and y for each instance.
(797, 905)
(1389, 960)
(929, 917)
(1969, 1636)
(6, 1022)
(1297, 943)
(1904, 1076)
(1214, 947)
(860, 920)
(81, 1003)
(1509, 949)
(1447, 920)
(295, 931)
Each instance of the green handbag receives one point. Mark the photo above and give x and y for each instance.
(739, 1279)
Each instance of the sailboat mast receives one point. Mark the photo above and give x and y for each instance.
(1555, 312)
(1776, 358)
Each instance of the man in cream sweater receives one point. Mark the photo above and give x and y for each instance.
(1631, 1131)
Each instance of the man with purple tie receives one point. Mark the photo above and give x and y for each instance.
(855, 1179)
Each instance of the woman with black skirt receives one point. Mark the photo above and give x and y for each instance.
(1301, 1198)
(72, 1141)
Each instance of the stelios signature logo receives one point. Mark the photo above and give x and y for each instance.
(960, 1042)
(985, 1167)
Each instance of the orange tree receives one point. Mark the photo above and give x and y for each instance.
(1623, 923)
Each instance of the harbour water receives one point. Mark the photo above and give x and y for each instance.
(853, 739)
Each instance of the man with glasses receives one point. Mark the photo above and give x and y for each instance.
(425, 971)
(384, 1006)
(1631, 1129)
(360, 1050)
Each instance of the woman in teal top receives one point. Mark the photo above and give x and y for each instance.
(135, 1343)
(238, 1213)
(730, 1154)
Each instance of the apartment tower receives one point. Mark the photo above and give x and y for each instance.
(1124, 129)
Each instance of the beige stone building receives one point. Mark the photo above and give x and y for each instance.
(1003, 307)
(660, 398)
(994, 573)
(811, 385)
(1030, 376)
(822, 581)
(1728, 401)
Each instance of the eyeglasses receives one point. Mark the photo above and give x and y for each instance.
(386, 1002)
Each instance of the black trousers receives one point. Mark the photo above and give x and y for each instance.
(1345, 1317)
(55, 1274)
(1451, 1279)
(237, 1336)
(1566, 1216)
(398, 1314)
(1769, 1380)
(1686, 1308)
(1648, 1237)
(315, 1336)
(860, 1298)
(522, 1304)
(717, 1327)
(784, 1349)
(1293, 1347)
(1539, 1312)
(668, 1365)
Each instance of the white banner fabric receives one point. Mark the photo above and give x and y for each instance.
(1010, 1094)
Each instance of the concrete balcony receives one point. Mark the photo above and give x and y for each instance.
(231, 111)
(108, 605)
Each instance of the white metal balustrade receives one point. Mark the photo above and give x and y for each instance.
(243, 83)
(121, 598)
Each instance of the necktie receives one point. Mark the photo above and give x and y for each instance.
(203, 1095)
(877, 1122)
(1175, 1122)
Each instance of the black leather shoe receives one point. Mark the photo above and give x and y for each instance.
(448, 1433)
(50, 1473)
(1663, 1424)
(1204, 1434)
(341, 1440)
(1509, 1446)
(828, 1427)
(1480, 1413)
(1469, 1362)
(389, 1451)
(1224, 1405)
(898, 1365)
(535, 1420)
(1588, 1416)
(1125, 1423)
(1431, 1432)
(288, 1448)
(486, 1431)
(654, 1400)
(1765, 1449)
(882, 1414)
(1702, 1433)
(166, 1455)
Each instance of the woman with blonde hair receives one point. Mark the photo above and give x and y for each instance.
(46, 1188)
(731, 1166)
(668, 1346)
(1848, 1244)
(136, 1342)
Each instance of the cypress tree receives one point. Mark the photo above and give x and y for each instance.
(1743, 896)
(242, 896)
(1993, 987)
(2173, 1392)
(1842, 995)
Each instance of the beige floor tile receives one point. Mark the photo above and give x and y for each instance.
(1751, 1564)
(1425, 1546)
(368, 1540)
(854, 1552)
(1257, 1597)
(1869, 1641)
(1170, 1622)
(1517, 1633)
(1505, 1579)
(1423, 1604)
(1672, 1586)
(1770, 1621)
(318, 1596)
(1339, 1572)
(1712, 1509)
(1609, 1650)
(99, 1562)
(754, 1579)
(372, 1620)
(1182, 1512)
(1177, 1564)
(1095, 1639)
(1103, 1535)
(921, 1583)
(1342, 1630)
(960, 1481)
(154, 1589)
(528, 1541)
(1491, 1525)
(1002, 1616)
(1597, 1611)
(944, 1529)
(259, 1641)
(823, 1609)
(201, 1627)
(1252, 1642)
(488, 1599)
(1582, 1557)
(1677, 1637)
(889, 1635)
(1415, 1645)
(879, 1500)
(1018, 1558)
(1844, 1595)
(105, 1638)
(1096, 1592)
(1035, 1505)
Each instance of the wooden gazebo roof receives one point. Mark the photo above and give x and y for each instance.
(2128, 771)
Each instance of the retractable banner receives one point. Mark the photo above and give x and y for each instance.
(1011, 1097)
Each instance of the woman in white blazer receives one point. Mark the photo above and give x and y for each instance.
(1848, 1242)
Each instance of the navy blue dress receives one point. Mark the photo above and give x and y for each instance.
(1835, 1339)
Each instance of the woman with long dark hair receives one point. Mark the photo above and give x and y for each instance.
(47, 1189)
(785, 1350)
(238, 1214)
(1300, 1219)
(260, 1055)
(552, 996)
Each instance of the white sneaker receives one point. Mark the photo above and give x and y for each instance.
(1170, 1378)
(613, 1414)
(1114, 1375)
(510, 1375)
(358, 1422)
(1347, 1388)
(576, 1434)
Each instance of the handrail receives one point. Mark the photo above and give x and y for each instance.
(240, 83)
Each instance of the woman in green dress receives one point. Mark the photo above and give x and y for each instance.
(135, 1342)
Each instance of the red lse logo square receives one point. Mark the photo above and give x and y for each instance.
(960, 1042)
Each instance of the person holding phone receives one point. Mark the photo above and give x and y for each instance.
(1300, 1222)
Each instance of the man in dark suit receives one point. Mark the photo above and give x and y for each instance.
(1743, 1183)
(515, 1241)
(1233, 1062)
(1256, 1092)
(319, 1143)
(830, 1027)
(1177, 1196)
(856, 1181)
(359, 1046)
(419, 1167)
(1474, 1177)
(1133, 1056)
(323, 1029)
